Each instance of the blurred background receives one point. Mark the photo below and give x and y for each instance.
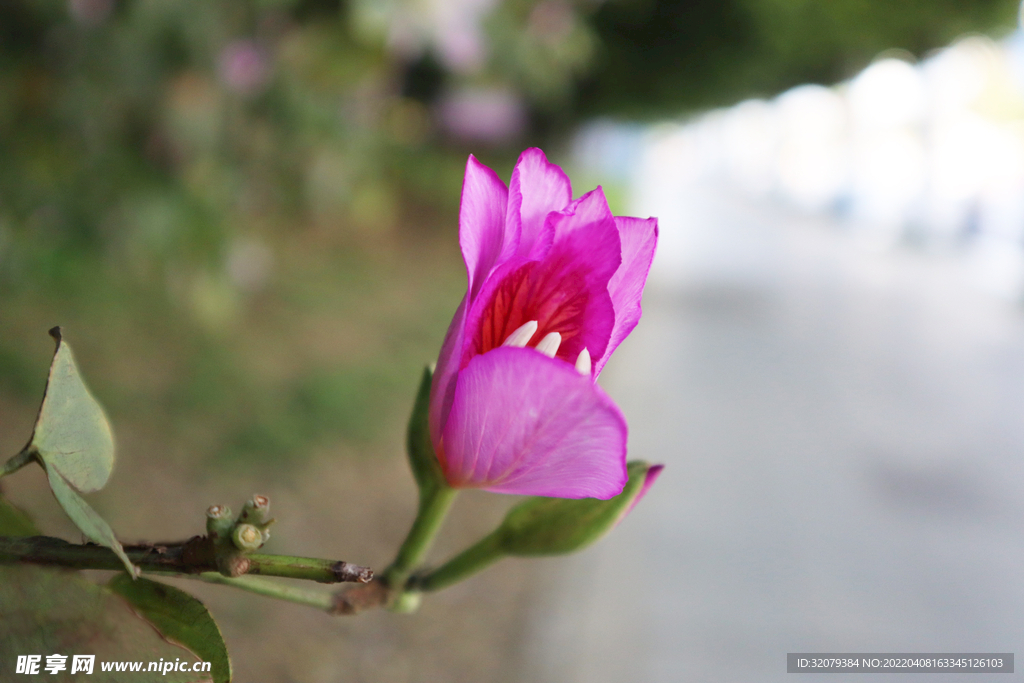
(244, 214)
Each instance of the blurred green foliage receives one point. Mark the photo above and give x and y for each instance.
(658, 57)
(157, 132)
(161, 132)
(244, 211)
(177, 171)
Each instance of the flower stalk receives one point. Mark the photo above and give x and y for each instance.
(434, 506)
(478, 556)
(435, 499)
(270, 589)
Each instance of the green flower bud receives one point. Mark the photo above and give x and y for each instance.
(552, 526)
(247, 537)
(219, 523)
(255, 511)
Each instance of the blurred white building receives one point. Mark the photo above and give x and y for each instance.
(929, 154)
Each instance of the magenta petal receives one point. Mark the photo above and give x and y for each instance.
(638, 237)
(587, 242)
(589, 209)
(537, 188)
(482, 235)
(523, 423)
(593, 250)
(566, 291)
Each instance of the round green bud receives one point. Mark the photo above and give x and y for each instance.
(256, 510)
(247, 537)
(218, 522)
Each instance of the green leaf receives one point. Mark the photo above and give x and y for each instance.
(84, 517)
(14, 522)
(72, 434)
(179, 617)
(425, 467)
(50, 611)
(551, 526)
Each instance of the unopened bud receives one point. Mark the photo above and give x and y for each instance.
(256, 510)
(218, 522)
(551, 526)
(247, 537)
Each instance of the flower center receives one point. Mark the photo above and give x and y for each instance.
(536, 301)
(548, 345)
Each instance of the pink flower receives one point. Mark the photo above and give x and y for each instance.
(554, 287)
(485, 115)
(244, 66)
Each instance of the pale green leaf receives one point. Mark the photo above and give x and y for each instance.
(84, 517)
(71, 433)
(179, 617)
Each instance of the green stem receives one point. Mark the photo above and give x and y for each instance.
(191, 557)
(307, 568)
(482, 554)
(434, 505)
(271, 589)
(17, 462)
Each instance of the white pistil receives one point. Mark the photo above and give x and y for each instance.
(549, 344)
(583, 363)
(522, 336)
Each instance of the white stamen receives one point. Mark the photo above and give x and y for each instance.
(583, 363)
(522, 336)
(549, 344)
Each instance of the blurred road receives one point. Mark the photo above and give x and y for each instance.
(843, 428)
